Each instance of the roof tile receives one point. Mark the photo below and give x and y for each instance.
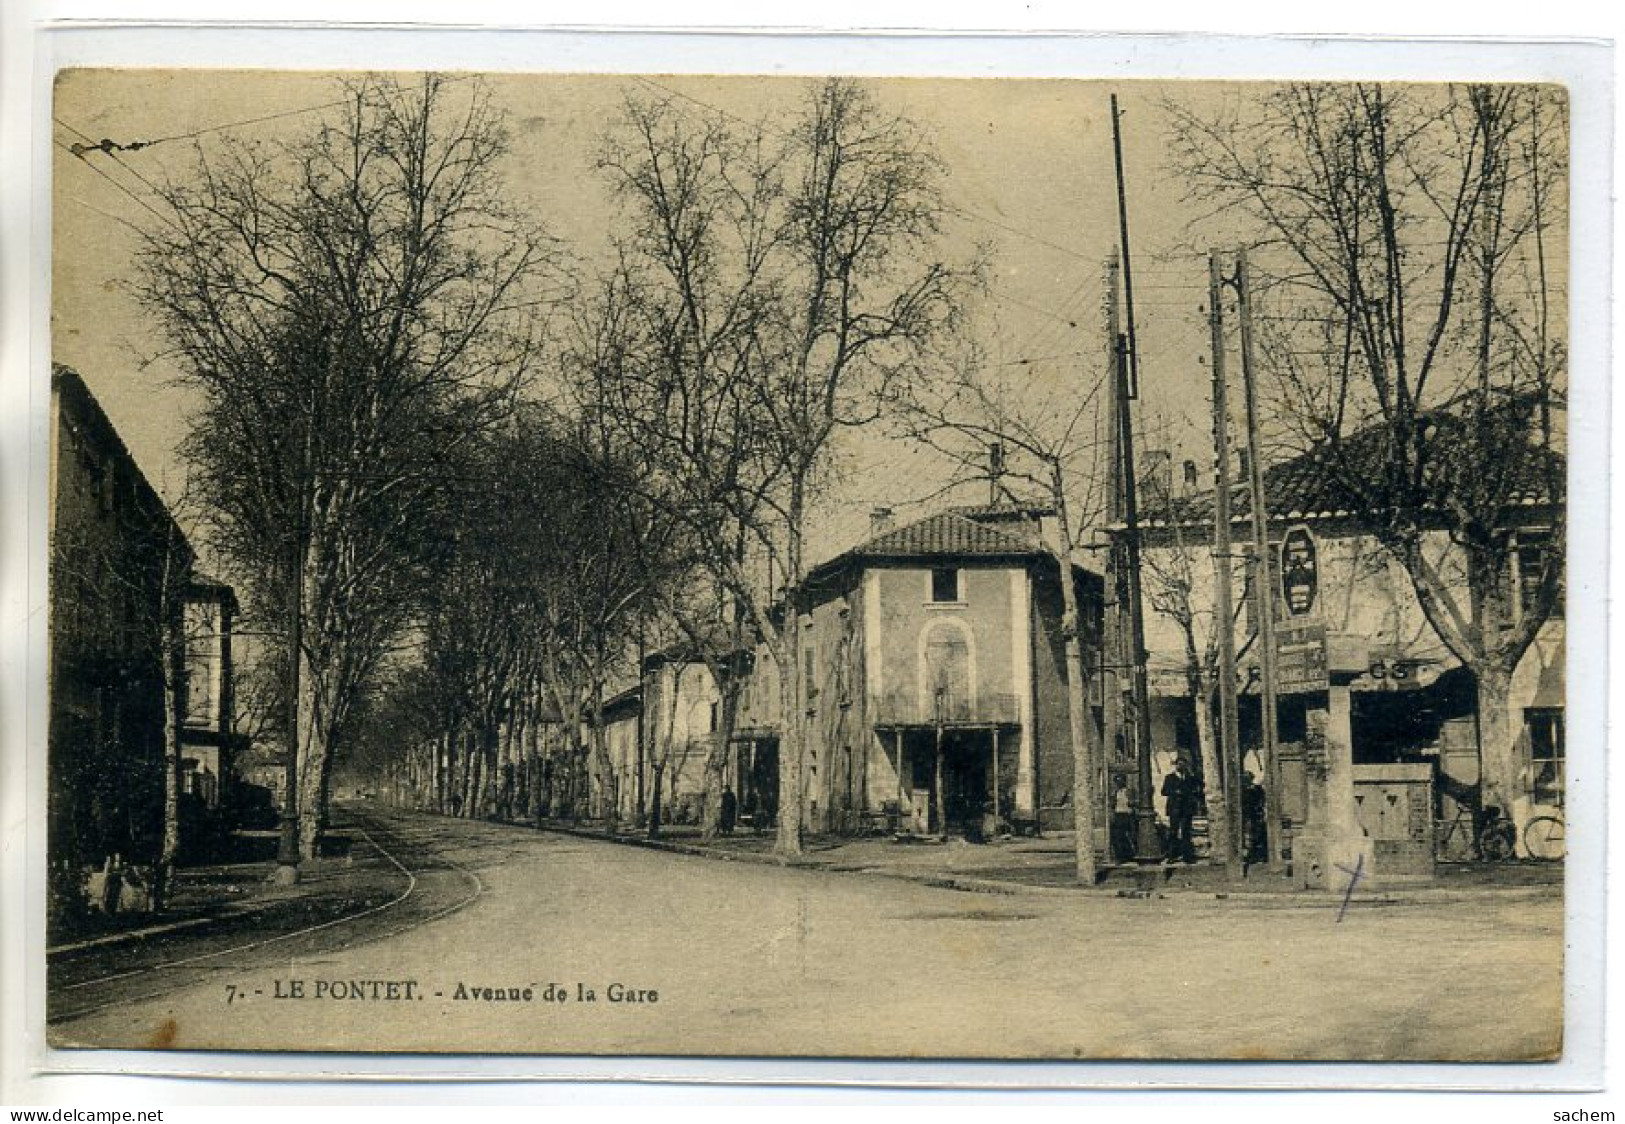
(945, 533)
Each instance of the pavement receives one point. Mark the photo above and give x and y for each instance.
(243, 892)
(1045, 865)
(541, 942)
(241, 888)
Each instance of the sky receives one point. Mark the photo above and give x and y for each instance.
(1030, 178)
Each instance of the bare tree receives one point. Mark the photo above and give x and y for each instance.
(350, 306)
(772, 283)
(586, 588)
(1409, 303)
(540, 595)
(1048, 450)
(1171, 589)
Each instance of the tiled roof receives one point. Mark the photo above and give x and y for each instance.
(1004, 512)
(1312, 486)
(1022, 521)
(946, 533)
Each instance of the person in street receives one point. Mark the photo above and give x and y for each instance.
(1179, 790)
(729, 812)
(1122, 820)
(1253, 820)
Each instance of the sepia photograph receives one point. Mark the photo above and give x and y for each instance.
(807, 566)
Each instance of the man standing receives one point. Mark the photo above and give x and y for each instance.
(1122, 820)
(1253, 820)
(728, 812)
(1179, 790)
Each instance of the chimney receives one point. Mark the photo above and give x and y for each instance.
(880, 521)
(995, 473)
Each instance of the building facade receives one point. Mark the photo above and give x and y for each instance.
(935, 690)
(1411, 705)
(209, 742)
(119, 567)
(141, 691)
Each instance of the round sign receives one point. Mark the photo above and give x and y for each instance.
(1300, 570)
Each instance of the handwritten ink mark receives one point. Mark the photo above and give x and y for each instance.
(1354, 880)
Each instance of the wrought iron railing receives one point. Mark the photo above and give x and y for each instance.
(908, 708)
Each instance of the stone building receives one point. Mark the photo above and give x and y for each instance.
(1399, 697)
(935, 688)
(119, 569)
(209, 742)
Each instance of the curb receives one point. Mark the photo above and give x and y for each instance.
(228, 910)
(127, 935)
(210, 914)
(972, 884)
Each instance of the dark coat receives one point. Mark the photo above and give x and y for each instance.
(1180, 792)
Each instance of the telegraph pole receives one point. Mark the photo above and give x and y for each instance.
(1224, 620)
(1145, 836)
(1113, 655)
(1263, 583)
(1126, 362)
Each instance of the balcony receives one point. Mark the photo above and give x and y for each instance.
(902, 708)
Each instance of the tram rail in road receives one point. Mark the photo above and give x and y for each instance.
(373, 921)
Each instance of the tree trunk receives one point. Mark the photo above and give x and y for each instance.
(716, 760)
(174, 687)
(533, 750)
(485, 802)
(1498, 756)
(316, 721)
(792, 727)
(1080, 725)
(441, 747)
(471, 768)
(313, 753)
(505, 771)
(654, 803)
(1218, 809)
(1080, 722)
(608, 794)
(580, 786)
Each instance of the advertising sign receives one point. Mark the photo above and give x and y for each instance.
(1301, 667)
(1300, 571)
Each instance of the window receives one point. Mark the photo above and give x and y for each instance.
(947, 674)
(809, 676)
(1533, 550)
(944, 584)
(1545, 727)
(200, 708)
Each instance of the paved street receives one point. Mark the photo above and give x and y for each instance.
(691, 955)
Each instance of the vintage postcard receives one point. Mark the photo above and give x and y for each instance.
(807, 567)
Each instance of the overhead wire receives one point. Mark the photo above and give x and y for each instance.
(1064, 315)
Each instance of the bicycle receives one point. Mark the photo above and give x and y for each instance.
(1497, 838)
(1493, 837)
(1545, 838)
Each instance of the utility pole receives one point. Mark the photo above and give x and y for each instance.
(1128, 265)
(1145, 835)
(1127, 364)
(1114, 658)
(1263, 583)
(1224, 619)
